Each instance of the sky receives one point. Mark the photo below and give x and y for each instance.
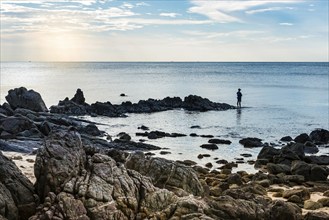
(167, 30)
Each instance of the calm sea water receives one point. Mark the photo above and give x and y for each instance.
(282, 98)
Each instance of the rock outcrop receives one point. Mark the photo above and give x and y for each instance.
(28, 99)
(75, 182)
(77, 106)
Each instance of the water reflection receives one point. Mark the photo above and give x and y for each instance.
(238, 116)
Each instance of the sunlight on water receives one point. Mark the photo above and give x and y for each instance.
(282, 99)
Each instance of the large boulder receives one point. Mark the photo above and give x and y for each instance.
(302, 138)
(23, 98)
(17, 197)
(320, 135)
(165, 173)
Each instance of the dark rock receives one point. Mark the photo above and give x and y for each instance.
(209, 165)
(188, 162)
(320, 135)
(195, 127)
(18, 200)
(286, 139)
(277, 168)
(284, 210)
(164, 152)
(246, 155)
(318, 173)
(268, 153)
(310, 148)
(311, 172)
(219, 141)
(143, 127)
(251, 142)
(302, 138)
(316, 216)
(197, 103)
(28, 99)
(320, 160)
(78, 97)
(234, 179)
(177, 135)
(193, 135)
(122, 95)
(209, 146)
(301, 168)
(6, 109)
(14, 125)
(207, 136)
(91, 129)
(124, 136)
(45, 128)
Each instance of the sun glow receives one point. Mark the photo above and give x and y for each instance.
(62, 46)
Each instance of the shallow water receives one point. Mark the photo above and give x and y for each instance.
(280, 98)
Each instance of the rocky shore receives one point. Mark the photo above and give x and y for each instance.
(81, 174)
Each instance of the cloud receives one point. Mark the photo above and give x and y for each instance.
(263, 10)
(220, 11)
(230, 34)
(286, 24)
(54, 17)
(172, 15)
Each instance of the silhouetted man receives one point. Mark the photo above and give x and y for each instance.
(239, 97)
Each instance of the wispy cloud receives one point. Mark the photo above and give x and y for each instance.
(67, 17)
(220, 11)
(286, 24)
(172, 15)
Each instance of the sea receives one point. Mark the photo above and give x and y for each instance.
(279, 99)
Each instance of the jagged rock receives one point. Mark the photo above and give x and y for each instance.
(165, 173)
(23, 98)
(79, 97)
(17, 197)
(71, 108)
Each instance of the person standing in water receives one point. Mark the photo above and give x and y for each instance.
(239, 96)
